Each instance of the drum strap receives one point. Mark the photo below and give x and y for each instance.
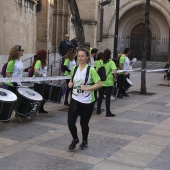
(87, 74)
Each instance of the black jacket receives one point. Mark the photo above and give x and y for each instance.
(64, 47)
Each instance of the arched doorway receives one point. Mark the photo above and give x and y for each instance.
(137, 42)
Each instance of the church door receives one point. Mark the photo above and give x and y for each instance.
(137, 42)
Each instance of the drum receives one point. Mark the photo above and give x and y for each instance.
(28, 102)
(7, 103)
(127, 84)
(53, 92)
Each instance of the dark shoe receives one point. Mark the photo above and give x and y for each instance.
(66, 104)
(110, 115)
(73, 144)
(83, 145)
(43, 111)
(98, 112)
(120, 96)
(125, 95)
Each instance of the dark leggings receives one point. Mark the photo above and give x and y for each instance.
(39, 89)
(85, 111)
(108, 91)
(120, 82)
(67, 91)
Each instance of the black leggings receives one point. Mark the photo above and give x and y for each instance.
(108, 91)
(120, 83)
(85, 111)
(67, 91)
(39, 89)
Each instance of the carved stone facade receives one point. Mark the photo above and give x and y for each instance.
(131, 26)
(21, 23)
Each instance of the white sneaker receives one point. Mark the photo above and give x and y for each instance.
(113, 98)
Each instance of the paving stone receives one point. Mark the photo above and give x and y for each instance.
(162, 161)
(152, 107)
(111, 165)
(142, 116)
(122, 128)
(25, 131)
(132, 158)
(27, 160)
(100, 147)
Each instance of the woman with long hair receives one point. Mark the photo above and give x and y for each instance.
(107, 85)
(40, 70)
(84, 80)
(68, 65)
(15, 67)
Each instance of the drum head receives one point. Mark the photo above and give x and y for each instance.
(30, 94)
(6, 95)
(129, 81)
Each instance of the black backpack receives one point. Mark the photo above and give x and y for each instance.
(87, 74)
(102, 73)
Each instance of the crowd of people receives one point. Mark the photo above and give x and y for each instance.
(86, 85)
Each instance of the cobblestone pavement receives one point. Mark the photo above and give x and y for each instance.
(138, 138)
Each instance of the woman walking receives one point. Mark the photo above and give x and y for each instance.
(84, 80)
(107, 85)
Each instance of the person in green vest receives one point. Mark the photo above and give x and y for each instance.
(15, 67)
(107, 85)
(84, 80)
(124, 63)
(68, 65)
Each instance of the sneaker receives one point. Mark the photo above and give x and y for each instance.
(112, 98)
(125, 95)
(83, 145)
(110, 115)
(98, 112)
(73, 144)
(43, 111)
(120, 96)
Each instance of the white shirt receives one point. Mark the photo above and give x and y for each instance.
(126, 64)
(91, 63)
(18, 70)
(43, 71)
(71, 64)
(78, 94)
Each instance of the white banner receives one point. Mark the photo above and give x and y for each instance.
(34, 79)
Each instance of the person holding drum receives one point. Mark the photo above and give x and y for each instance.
(68, 65)
(124, 63)
(15, 67)
(84, 80)
(107, 85)
(40, 70)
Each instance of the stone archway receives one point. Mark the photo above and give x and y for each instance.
(137, 42)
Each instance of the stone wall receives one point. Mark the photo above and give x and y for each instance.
(18, 23)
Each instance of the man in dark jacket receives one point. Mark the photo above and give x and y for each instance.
(64, 46)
